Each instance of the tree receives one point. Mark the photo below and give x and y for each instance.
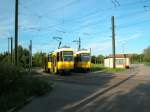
(5, 58)
(100, 59)
(23, 57)
(97, 59)
(37, 59)
(147, 54)
(137, 58)
(93, 59)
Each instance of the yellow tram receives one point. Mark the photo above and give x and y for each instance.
(48, 63)
(83, 60)
(60, 60)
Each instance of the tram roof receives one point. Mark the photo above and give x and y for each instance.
(82, 51)
(63, 49)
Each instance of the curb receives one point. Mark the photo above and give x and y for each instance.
(14, 109)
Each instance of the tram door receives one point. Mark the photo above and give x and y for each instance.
(54, 66)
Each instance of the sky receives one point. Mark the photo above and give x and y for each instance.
(41, 20)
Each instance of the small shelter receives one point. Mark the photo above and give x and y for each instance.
(122, 61)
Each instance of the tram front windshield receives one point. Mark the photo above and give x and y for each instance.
(68, 56)
(85, 57)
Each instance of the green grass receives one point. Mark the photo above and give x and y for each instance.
(16, 86)
(100, 67)
(111, 70)
(97, 67)
(147, 64)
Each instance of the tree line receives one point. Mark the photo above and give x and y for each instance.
(143, 57)
(23, 57)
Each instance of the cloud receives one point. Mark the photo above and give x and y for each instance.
(107, 44)
(5, 32)
(45, 48)
(6, 28)
(134, 36)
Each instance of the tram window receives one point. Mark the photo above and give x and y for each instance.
(58, 56)
(79, 57)
(68, 56)
(67, 53)
(76, 58)
(61, 56)
(49, 58)
(85, 57)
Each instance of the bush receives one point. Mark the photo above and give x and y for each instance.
(16, 86)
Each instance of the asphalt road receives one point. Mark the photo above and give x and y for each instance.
(96, 92)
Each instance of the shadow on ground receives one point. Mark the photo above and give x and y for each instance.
(135, 100)
(67, 90)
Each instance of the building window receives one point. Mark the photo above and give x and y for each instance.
(119, 61)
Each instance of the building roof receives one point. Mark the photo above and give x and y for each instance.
(118, 56)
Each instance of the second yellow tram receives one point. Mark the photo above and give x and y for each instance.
(83, 60)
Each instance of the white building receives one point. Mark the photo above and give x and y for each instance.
(122, 61)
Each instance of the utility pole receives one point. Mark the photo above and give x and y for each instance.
(8, 50)
(79, 44)
(11, 50)
(30, 56)
(90, 51)
(113, 42)
(11, 47)
(16, 32)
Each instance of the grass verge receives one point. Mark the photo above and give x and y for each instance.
(147, 64)
(100, 67)
(16, 86)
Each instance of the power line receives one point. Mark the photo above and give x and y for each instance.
(115, 3)
(59, 39)
(66, 5)
(147, 8)
(134, 24)
(108, 8)
(86, 25)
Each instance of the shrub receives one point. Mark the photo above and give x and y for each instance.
(16, 85)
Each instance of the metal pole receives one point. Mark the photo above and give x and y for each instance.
(8, 45)
(30, 56)
(16, 32)
(79, 44)
(90, 51)
(11, 39)
(31, 53)
(113, 41)
(8, 50)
